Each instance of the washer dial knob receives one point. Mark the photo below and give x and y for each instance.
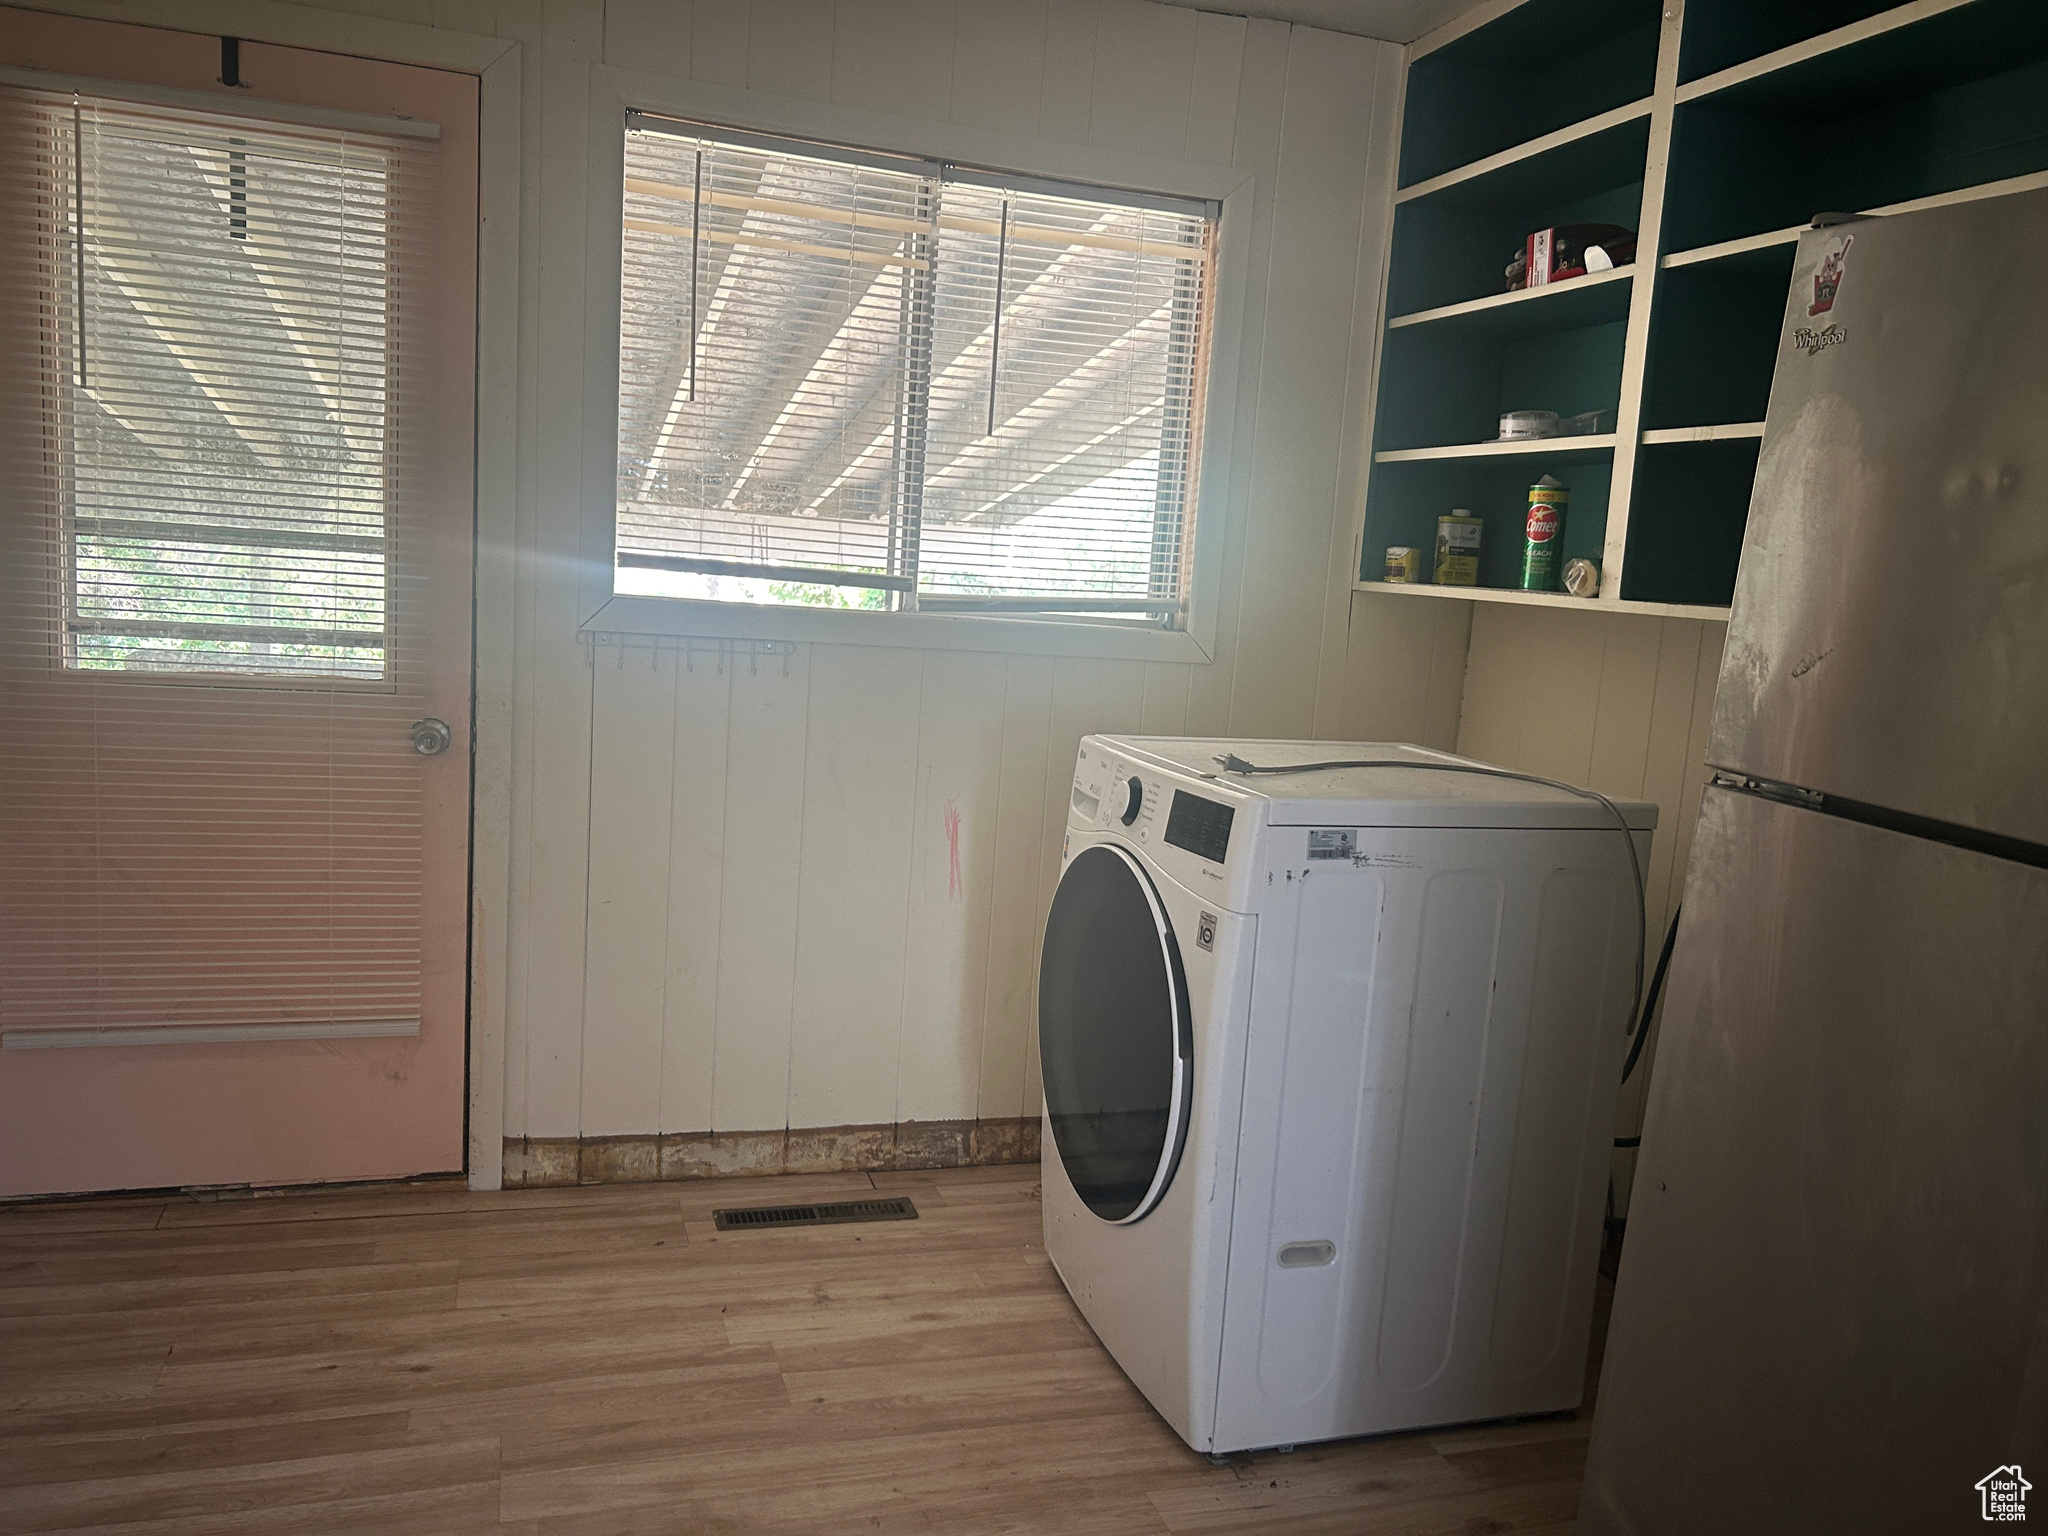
(1134, 799)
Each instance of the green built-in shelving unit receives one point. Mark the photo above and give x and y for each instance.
(1716, 129)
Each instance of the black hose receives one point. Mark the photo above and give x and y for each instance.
(1642, 1029)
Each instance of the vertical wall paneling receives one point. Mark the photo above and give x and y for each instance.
(1144, 70)
(1666, 740)
(766, 748)
(953, 841)
(853, 884)
(1069, 73)
(789, 48)
(1450, 648)
(1318, 217)
(553, 712)
(1212, 98)
(1165, 710)
(1403, 667)
(1624, 705)
(636, 32)
(718, 42)
(1016, 906)
(999, 64)
(632, 732)
(1335, 685)
(697, 793)
(1255, 147)
(895, 56)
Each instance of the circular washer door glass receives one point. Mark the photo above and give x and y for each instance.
(1115, 1038)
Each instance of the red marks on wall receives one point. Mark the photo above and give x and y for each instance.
(953, 848)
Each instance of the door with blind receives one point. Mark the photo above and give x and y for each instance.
(237, 294)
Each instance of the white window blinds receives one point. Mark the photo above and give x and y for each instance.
(222, 293)
(850, 378)
(207, 816)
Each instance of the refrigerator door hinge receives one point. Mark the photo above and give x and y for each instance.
(1770, 789)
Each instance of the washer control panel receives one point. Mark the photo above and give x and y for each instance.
(1108, 794)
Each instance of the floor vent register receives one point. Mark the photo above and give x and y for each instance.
(753, 1217)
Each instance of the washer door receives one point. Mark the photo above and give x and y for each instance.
(1115, 1037)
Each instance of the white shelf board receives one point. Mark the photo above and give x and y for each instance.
(1722, 249)
(1513, 448)
(1563, 600)
(1814, 47)
(1477, 308)
(1584, 129)
(1727, 432)
(2033, 181)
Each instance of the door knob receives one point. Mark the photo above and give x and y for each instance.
(430, 737)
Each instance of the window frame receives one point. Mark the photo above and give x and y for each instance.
(616, 93)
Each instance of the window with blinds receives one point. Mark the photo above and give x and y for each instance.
(853, 380)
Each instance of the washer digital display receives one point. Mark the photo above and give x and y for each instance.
(1200, 826)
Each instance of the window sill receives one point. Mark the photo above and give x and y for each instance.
(915, 631)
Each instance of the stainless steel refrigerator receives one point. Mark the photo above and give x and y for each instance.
(1832, 1311)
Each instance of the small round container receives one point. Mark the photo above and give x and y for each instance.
(1404, 564)
(1520, 424)
(1582, 577)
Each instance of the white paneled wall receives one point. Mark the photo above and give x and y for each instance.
(807, 891)
(805, 894)
(1617, 703)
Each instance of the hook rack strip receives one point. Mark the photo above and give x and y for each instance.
(686, 648)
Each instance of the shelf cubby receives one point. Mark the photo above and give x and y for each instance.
(1716, 339)
(1453, 385)
(1454, 238)
(1541, 67)
(1412, 493)
(1686, 517)
(1721, 34)
(1951, 100)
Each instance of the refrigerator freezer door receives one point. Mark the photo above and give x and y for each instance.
(1889, 636)
(1832, 1313)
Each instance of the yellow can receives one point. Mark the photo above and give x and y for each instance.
(1457, 549)
(1404, 564)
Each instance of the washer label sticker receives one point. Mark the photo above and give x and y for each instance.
(1337, 843)
(1205, 931)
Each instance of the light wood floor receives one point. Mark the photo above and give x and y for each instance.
(599, 1360)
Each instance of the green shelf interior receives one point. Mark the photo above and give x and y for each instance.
(1950, 102)
(1722, 33)
(1451, 387)
(1455, 244)
(1543, 66)
(1715, 342)
(1408, 498)
(1687, 514)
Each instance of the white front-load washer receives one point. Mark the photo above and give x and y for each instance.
(1330, 1063)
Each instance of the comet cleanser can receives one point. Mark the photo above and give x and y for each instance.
(1543, 535)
